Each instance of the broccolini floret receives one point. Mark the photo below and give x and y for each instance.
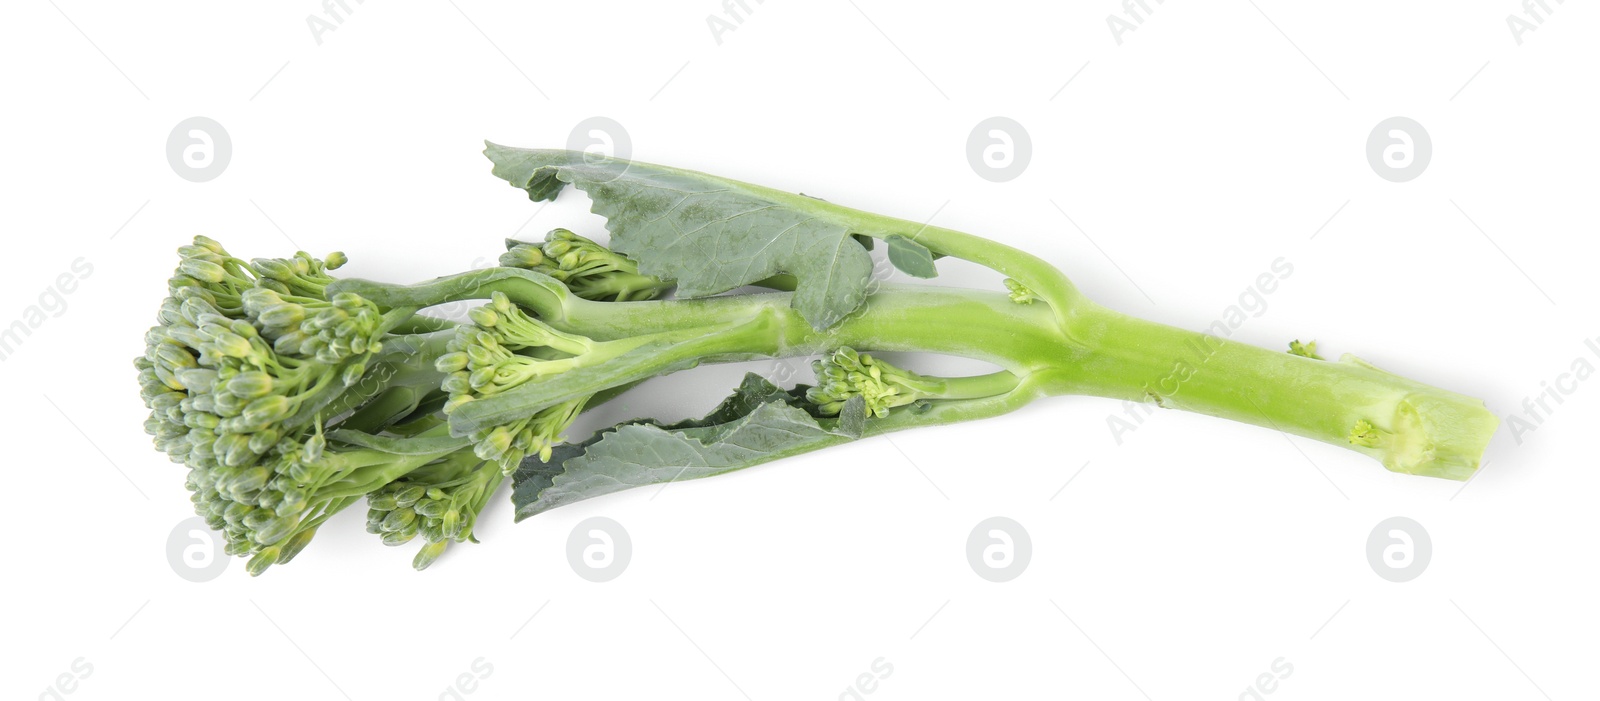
(845, 373)
(503, 349)
(249, 365)
(590, 270)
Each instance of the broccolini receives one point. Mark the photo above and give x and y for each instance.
(291, 395)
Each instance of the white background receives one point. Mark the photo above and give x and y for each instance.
(1179, 564)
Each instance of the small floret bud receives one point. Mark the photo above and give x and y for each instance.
(353, 373)
(283, 314)
(409, 496)
(451, 362)
(399, 537)
(429, 554)
(483, 316)
(273, 268)
(294, 545)
(262, 560)
(250, 385)
(210, 244)
(314, 447)
(203, 270)
(522, 255)
(267, 410)
(398, 520)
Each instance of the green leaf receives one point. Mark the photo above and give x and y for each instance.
(707, 233)
(911, 258)
(758, 423)
(853, 417)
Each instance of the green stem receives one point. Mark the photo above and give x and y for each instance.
(390, 404)
(975, 324)
(368, 478)
(536, 291)
(419, 324)
(974, 387)
(1026, 389)
(1430, 431)
(619, 362)
(1049, 283)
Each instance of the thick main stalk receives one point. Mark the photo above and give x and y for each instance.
(1414, 428)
